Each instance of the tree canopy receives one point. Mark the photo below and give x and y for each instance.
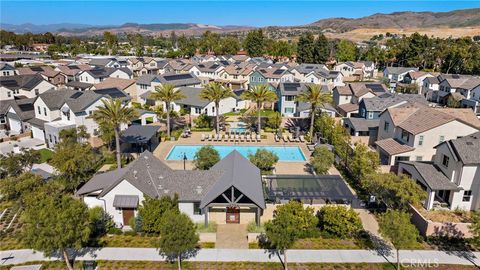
(264, 160)
(206, 157)
(364, 161)
(254, 43)
(178, 238)
(56, 223)
(152, 212)
(339, 221)
(322, 160)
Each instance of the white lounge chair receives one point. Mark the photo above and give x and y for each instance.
(237, 138)
(210, 137)
(220, 136)
(285, 139)
(290, 138)
(202, 138)
(302, 138)
(232, 137)
(225, 138)
(242, 138)
(276, 138)
(259, 138)
(247, 138)
(297, 139)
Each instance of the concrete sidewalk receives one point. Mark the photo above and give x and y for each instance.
(256, 255)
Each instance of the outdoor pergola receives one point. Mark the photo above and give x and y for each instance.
(309, 189)
(140, 138)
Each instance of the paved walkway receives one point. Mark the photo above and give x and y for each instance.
(257, 255)
(232, 236)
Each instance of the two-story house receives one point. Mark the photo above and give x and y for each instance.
(289, 106)
(48, 73)
(299, 72)
(411, 132)
(366, 124)
(146, 84)
(396, 74)
(270, 76)
(7, 69)
(236, 76)
(346, 98)
(97, 75)
(195, 105)
(330, 78)
(23, 86)
(452, 179)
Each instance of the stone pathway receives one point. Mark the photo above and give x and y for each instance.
(232, 236)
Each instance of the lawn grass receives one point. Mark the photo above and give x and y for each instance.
(127, 241)
(137, 265)
(8, 242)
(45, 155)
(211, 228)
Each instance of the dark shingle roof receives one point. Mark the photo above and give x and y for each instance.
(467, 148)
(192, 97)
(361, 124)
(432, 176)
(26, 82)
(138, 133)
(384, 102)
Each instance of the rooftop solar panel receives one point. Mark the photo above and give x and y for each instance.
(177, 77)
(111, 92)
(76, 95)
(26, 107)
(9, 83)
(278, 72)
(37, 69)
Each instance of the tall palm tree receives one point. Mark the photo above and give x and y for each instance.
(215, 92)
(114, 113)
(167, 94)
(314, 95)
(260, 94)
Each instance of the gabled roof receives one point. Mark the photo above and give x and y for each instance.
(393, 147)
(192, 97)
(400, 70)
(81, 100)
(44, 70)
(239, 173)
(467, 148)
(23, 108)
(383, 102)
(432, 176)
(25, 82)
(114, 82)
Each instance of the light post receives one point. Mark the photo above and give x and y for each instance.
(184, 160)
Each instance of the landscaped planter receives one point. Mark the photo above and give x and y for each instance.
(427, 227)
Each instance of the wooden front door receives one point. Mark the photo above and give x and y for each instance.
(233, 215)
(128, 213)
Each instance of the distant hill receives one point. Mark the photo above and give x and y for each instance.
(404, 20)
(398, 20)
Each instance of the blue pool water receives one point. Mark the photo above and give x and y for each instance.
(284, 153)
(238, 130)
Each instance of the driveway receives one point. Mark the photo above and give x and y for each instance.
(29, 143)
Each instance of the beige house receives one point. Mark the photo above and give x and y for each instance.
(126, 85)
(411, 132)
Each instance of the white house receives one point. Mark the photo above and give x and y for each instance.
(230, 192)
(23, 86)
(195, 105)
(453, 176)
(410, 133)
(7, 69)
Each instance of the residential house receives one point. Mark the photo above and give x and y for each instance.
(346, 98)
(211, 70)
(48, 73)
(289, 106)
(195, 105)
(146, 84)
(75, 111)
(396, 74)
(270, 76)
(452, 179)
(430, 88)
(110, 62)
(366, 124)
(356, 71)
(97, 75)
(416, 78)
(411, 132)
(71, 71)
(18, 113)
(23, 86)
(236, 76)
(466, 85)
(329, 78)
(7, 69)
(125, 85)
(299, 72)
(233, 186)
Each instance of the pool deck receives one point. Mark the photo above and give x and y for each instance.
(288, 167)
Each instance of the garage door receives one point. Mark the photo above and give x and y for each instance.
(15, 125)
(37, 133)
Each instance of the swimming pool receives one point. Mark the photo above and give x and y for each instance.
(284, 153)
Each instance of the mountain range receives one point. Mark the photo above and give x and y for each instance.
(398, 20)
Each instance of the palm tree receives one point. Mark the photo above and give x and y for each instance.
(316, 98)
(215, 92)
(260, 94)
(114, 113)
(167, 94)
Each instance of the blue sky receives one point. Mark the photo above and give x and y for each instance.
(254, 13)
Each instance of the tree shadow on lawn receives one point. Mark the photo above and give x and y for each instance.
(263, 243)
(451, 240)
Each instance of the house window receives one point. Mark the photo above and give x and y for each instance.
(420, 140)
(442, 139)
(288, 110)
(467, 195)
(405, 135)
(50, 137)
(418, 158)
(370, 115)
(45, 111)
(37, 92)
(9, 94)
(386, 126)
(445, 160)
(289, 98)
(39, 110)
(196, 208)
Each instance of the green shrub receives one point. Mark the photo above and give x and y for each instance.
(206, 157)
(203, 121)
(339, 221)
(264, 160)
(212, 227)
(253, 228)
(322, 159)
